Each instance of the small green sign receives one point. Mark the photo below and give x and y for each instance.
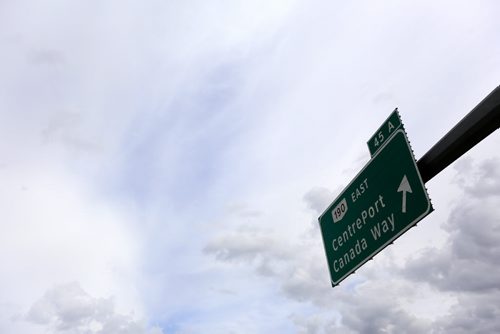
(384, 133)
(385, 199)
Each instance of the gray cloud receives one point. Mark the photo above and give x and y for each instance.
(487, 180)
(373, 307)
(69, 309)
(300, 270)
(245, 245)
(314, 324)
(469, 263)
(65, 128)
(475, 313)
(241, 210)
(317, 199)
(382, 315)
(478, 181)
(470, 260)
(47, 57)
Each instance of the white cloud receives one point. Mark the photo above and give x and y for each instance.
(69, 309)
(175, 157)
(55, 230)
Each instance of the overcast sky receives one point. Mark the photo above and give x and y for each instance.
(163, 165)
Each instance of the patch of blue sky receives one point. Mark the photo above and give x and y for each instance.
(184, 293)
(178, 154)
(177, 320)
(243, 315)
(353, 281)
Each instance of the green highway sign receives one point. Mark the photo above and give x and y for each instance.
(384, 200)
(390, 126)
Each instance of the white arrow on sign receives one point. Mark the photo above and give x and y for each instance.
(404, 186)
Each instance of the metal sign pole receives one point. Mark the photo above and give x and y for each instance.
(474, 127)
